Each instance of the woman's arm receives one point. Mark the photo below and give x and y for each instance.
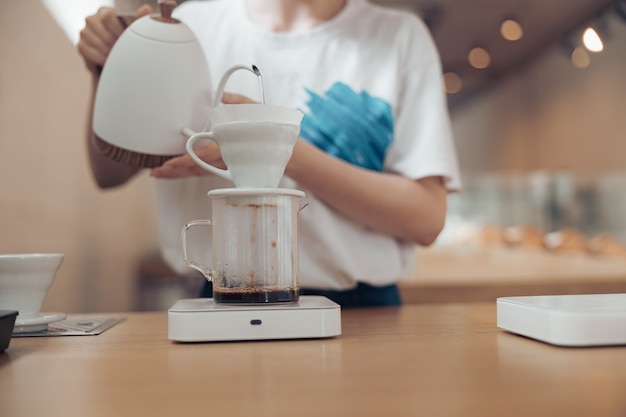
(407, 209)
(96, 40)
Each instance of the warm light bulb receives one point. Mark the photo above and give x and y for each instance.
(511, 30)
(592, 40)
(580, 58)
(479, 58)
(452, 82)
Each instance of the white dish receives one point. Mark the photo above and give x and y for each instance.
(566, 320)
(36, 324)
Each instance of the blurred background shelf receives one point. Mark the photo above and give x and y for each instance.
(473, 274)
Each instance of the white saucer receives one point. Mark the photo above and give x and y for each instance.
(36, 324)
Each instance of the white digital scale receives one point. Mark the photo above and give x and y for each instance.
(566, 320)
(202, 320)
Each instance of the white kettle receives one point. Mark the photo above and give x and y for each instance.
(154, 86)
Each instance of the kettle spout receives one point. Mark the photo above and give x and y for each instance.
(222, 84)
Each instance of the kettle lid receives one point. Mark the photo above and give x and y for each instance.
(155, 27)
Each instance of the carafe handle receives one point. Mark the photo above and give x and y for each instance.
(183, 236)
(224, 173)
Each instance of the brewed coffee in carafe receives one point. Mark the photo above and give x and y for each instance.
(254, 245)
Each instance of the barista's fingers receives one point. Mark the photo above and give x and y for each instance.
(100, 33)
(143, 10)
(232, 98)
(184, 166)
(176, 170)
(210, 153)
(110, 23)
(173, 168)
(91, 47)
(95, 40)
(104, 27)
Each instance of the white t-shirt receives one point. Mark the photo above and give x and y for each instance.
(369, 82)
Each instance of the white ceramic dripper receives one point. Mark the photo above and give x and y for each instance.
(255, 140)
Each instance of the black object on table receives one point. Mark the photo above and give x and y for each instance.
(7, 322)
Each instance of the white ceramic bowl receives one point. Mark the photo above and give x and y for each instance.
(25, 280)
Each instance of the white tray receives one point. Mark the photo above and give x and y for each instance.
(566, 320)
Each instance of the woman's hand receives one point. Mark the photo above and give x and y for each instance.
(183, 166)
(100, 33)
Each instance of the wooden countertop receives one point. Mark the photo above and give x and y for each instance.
(416, 360)
(470, 274)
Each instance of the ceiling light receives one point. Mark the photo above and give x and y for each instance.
(580, 57)
(592, 40)
(452, 82)
(511, 30)
(479, 58)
